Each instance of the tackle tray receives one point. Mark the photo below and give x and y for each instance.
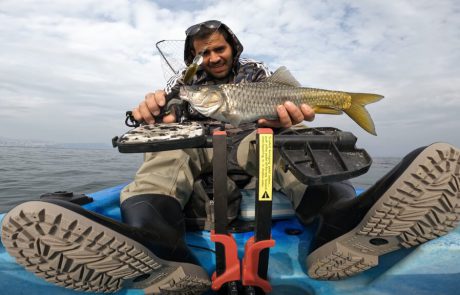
(313, 155)
(161, 137)
(322, 155)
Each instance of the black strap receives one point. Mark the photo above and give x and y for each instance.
(79, 199)
(219, 142)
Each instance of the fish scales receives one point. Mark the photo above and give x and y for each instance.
(250, 101)
(255, 100)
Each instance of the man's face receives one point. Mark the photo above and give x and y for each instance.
(217, 56)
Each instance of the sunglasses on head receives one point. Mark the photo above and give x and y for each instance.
(210, 24)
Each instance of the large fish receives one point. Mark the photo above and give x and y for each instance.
(247, 102)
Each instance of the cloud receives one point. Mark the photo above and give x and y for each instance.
(69, 70)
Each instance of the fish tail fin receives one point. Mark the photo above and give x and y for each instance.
(358, 112)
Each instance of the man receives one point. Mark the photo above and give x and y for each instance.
(415, 202)
(221, 64)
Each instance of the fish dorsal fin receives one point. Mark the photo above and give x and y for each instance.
(283, 76)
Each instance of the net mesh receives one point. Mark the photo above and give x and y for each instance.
(172, 57)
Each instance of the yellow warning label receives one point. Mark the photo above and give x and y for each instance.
(265, 167)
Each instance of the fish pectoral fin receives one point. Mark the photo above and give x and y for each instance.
(327, 110)
(232, 118)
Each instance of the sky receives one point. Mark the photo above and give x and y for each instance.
(70, 69)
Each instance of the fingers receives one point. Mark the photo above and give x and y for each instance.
(269, 123)
(297, 114)
(308, 112)
(171, 118)
(155, 101)
(284, 120)
(284, 115)
(294, 114)
(150, 107)
(137, 114)
(289, 114)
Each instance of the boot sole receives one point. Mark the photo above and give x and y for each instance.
(72, 251)
(423, 204)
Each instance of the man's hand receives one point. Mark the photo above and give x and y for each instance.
(151, 106)
(289, 114)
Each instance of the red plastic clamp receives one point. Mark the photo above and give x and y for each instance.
(232, 263)
(251, 264)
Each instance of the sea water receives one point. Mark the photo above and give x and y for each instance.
(28, 172)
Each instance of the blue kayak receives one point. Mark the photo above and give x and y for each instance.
(431, 268)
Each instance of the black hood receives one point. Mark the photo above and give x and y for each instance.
(237, 47)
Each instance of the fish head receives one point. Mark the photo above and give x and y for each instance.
(205, 99)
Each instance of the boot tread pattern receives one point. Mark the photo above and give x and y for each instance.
(68, 253)
(423, 205)
(341, 265)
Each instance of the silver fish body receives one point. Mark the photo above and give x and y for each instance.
(247, 102)
(251, 101)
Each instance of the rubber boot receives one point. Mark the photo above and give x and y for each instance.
(162, 218)
(82, 250)
(318, 198)
(417, 201)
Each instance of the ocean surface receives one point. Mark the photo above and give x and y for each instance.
(28, 172)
